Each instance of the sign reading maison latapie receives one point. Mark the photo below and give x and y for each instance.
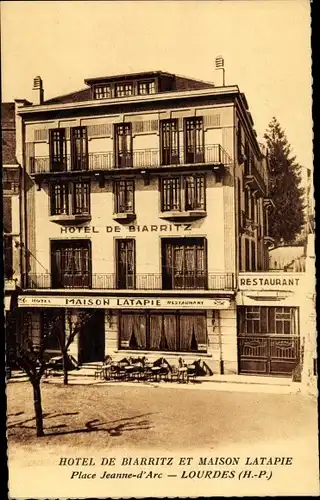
(122, 302)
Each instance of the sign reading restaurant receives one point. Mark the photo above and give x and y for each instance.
(269, 281)
(122, 302)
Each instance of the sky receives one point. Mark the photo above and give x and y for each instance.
(265, 45)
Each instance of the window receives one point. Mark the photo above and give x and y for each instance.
(194, 140)
(184, 263)
(169, 142)
(256, 320)
(123, 145)
(124, 89)
(10, 179)
(71, 264)
(247, 203)
(125, 263)
(146, 88)
(246, 160)
(163, 331)
(53, 327)
(79, 148)
(7, 237)
(8, 256)
(124, 196)
(253, 256)
(58, 150)
(102, 92)
(247, 255)
(183, 193)
(70, 198)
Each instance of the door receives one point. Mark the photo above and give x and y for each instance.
(58, 150)
(194, 140)
(169, 142)
(184, 263)
(92, 339)
(71, 264)
(268, 340)
(125, 254)
(123, 145)
(79, 148)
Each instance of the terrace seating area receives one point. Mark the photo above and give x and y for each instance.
(141, 369)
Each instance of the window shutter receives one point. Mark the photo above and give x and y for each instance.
(145, 127)
(29, 156)
(212, 121)
(41, 135)
(101, 130)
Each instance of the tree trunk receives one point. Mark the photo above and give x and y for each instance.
(38, 407)
(65, 368)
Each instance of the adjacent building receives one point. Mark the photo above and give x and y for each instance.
(145, 200)
(11, 196)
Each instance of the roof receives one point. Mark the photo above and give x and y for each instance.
(8, 133)
(182, 84)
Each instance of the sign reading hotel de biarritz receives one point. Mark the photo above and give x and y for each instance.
(122, 302)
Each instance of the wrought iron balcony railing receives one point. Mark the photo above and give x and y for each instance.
(191, 281)
(142, 159)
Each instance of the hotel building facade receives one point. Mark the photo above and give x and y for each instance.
(145, 200)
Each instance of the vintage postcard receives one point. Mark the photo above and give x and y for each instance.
(159, 262)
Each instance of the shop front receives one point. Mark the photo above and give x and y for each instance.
(268, 324)
(124, 326)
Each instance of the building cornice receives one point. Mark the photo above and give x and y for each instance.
(166, 96)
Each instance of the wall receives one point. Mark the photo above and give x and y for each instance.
(218, 226)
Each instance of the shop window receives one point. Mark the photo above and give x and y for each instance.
(260, 320)
(53, 328)
(165, 331)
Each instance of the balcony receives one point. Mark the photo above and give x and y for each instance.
(191, 282)
(256, 177)
(144, 159)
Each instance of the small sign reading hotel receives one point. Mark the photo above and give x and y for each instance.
(122, 302)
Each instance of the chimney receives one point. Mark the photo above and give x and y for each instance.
(220, 80)
(37, 91)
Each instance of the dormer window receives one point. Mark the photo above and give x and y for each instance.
(124, 89)
(102, 92)
(147, 87)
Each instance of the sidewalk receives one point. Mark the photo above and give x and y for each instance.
(233, 383)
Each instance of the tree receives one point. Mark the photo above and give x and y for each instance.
(286, 218)
(55, 325)
(29, 355)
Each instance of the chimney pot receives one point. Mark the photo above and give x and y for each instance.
(37, 90)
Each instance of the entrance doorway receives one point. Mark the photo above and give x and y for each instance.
(92, 339)
(268, 340)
